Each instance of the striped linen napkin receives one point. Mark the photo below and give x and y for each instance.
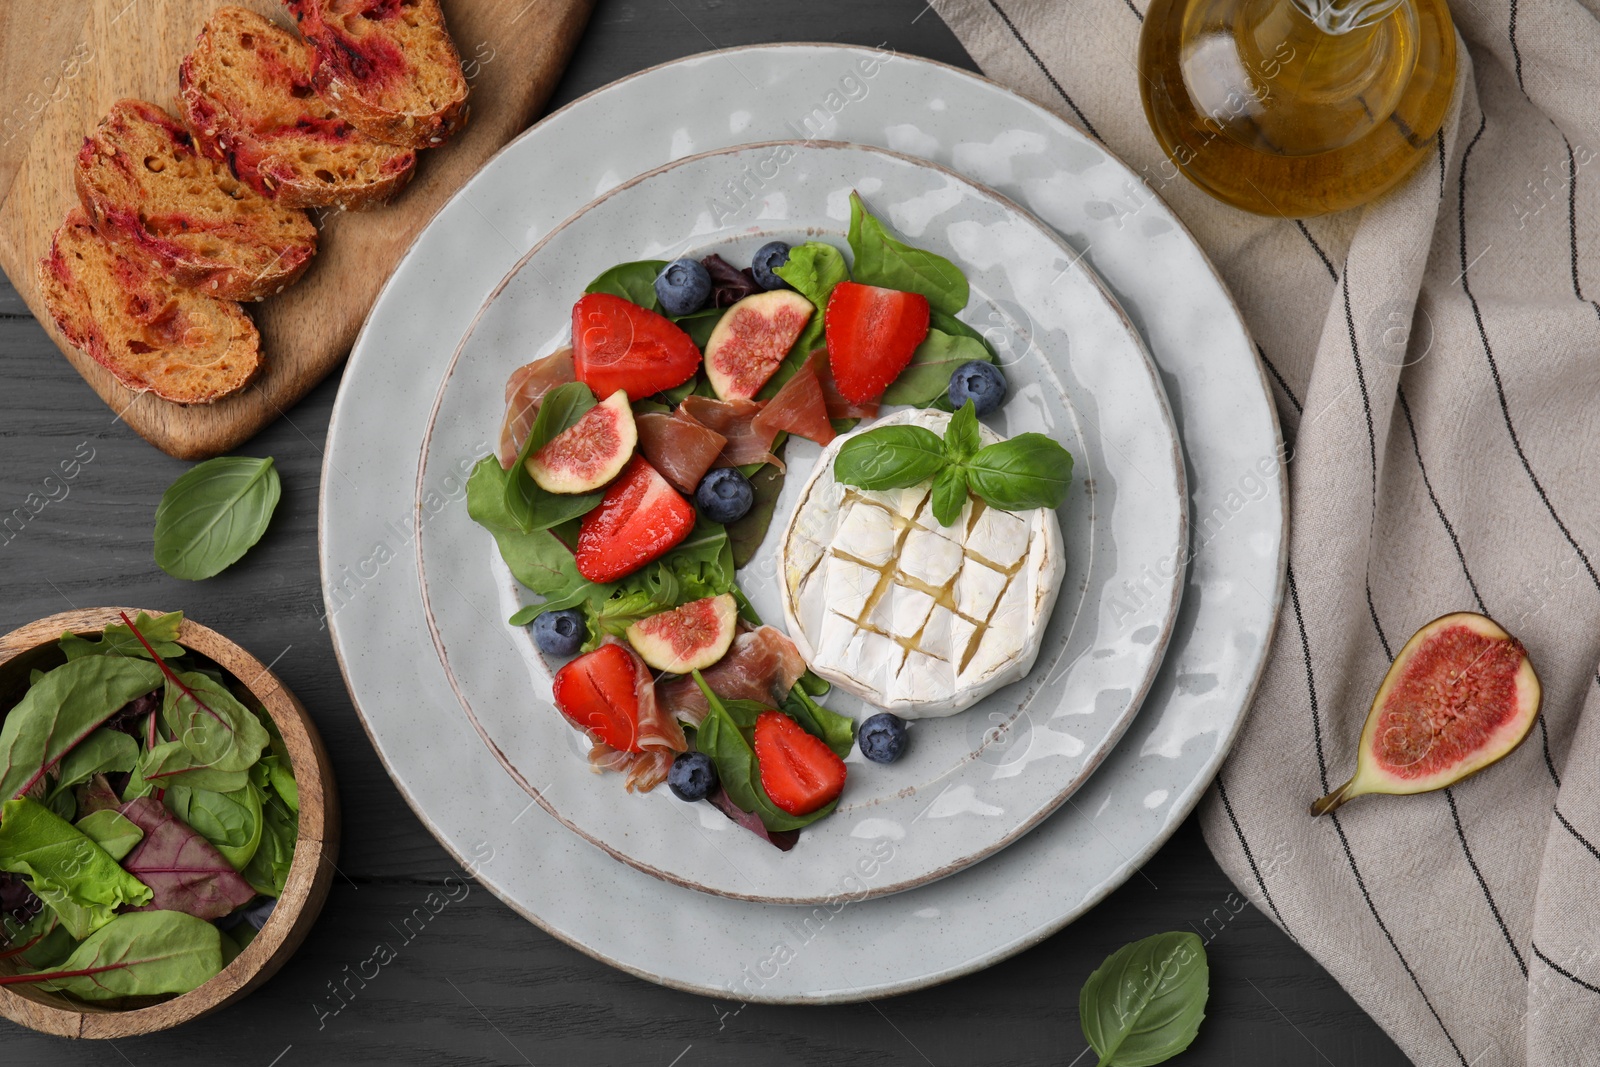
(1437, 367)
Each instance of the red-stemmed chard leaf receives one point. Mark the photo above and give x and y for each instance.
(136, 954)
(172, 675)
(184, 870)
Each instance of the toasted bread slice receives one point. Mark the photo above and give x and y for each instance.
(388, 66)
(155, 336)
(246, 93)
(145, 185)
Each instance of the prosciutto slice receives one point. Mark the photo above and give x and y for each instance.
(644, 770)
(524, 391)
(838, 406)
(798, 408)
(734, 420)
(762, 664)
(660, 737)
(679, 446)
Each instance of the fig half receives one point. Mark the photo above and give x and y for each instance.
(751, 339)
(590, 452)
(1459, 696)
(687, 638)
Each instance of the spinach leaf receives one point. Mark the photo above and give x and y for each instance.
(268, 870)
(1145, 1003)
(537, 559)
(747, 533)
(63, 708)
(526, 505)
(635, 282)
(282, 778)
(139, 954)
(720, 737)
(1028, 471)
(184, 871)
(926, 378)
(213, 514)
(65, 868)
(118, 640)
(44, 941)
(101, 752)
(890, 457)
(698, 325)
(882, 260)
(230, 821)
(836, 730)
(172, 763)
(112, 831)
(221, 733)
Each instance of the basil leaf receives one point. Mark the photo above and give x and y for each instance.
(61, 709)
(949, 495)
(926, 379)
(527, 506)
(118, 640)
(1028, 471)
(883, 261)
(65, 868)
(139, 954)
(962, 438)
(635, 282)
(111, 830)
(890, 457)
(213, 514)
(1144, 1004)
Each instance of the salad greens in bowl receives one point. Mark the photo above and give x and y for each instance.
(167, 807)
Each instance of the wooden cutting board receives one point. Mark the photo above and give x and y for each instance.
(66, 61)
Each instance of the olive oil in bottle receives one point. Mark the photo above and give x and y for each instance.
(1297, 107)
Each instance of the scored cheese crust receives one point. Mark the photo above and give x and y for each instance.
(914, 617)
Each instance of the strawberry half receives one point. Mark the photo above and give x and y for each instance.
(872, 334)
(798, 770)
(639, 519)
(599, 692)
(616, 344)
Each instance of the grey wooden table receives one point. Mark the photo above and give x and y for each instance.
(480, 985)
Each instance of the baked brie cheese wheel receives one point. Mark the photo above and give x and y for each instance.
(914, 617)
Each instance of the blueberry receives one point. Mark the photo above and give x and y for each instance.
(725, 495)
(980, 382)
(768, 256)
(683, 287)
(883, 737)
(560, 633)
(693, 776)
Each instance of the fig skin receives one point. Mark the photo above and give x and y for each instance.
(1373, 777)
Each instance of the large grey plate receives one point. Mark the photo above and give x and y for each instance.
(1085, 379)
(846, 950)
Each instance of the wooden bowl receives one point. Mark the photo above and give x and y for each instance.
(310, 875)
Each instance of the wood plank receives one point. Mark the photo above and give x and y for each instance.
(80, 56)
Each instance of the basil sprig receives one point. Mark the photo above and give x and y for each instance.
(1145, 1003)
(1026, 472)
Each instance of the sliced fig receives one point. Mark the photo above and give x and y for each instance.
(751, 339)
(590, 452)
(687, 638)
(1459, 696)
